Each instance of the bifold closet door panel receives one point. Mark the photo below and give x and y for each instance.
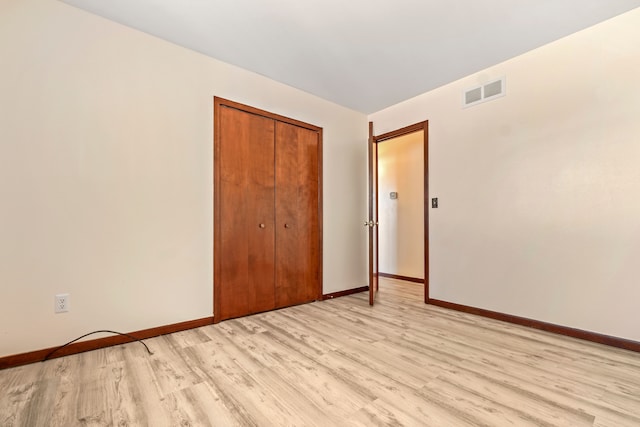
(297, 217)
(247, 213)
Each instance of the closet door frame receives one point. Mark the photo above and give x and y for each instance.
(218, 105)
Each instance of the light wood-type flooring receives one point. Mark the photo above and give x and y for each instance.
(335, 363)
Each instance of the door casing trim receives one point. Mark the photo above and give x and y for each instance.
(218, 104)
(417, 127)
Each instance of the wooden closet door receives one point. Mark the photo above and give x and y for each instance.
(246, 209)
(297, 270)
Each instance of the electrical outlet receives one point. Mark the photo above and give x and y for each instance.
(62, 303)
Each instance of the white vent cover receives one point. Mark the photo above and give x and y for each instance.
(484, 93)
(472, 96)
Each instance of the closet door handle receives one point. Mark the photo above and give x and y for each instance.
(287, 226)
(262, 225)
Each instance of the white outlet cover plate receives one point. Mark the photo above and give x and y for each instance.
(61, 303)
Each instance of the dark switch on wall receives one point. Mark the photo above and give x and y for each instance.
(434, 202)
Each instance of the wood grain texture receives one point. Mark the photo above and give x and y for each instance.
(338, 362)
(94, 344)
(246, 156)
(372, 153)
(531, 323)
(345, 292)
(297, 261)
(267, 210)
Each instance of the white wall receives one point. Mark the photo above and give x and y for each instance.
(401, 230)
(106, 175)
(539, 191)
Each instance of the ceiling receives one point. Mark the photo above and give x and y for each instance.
(363, 54)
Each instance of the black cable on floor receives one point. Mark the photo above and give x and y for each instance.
(96, 332)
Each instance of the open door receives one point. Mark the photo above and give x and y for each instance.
(372, 223)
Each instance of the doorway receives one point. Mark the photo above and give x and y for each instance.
(400, 208)
(403, 204)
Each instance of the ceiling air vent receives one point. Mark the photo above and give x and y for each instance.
(484, 93)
